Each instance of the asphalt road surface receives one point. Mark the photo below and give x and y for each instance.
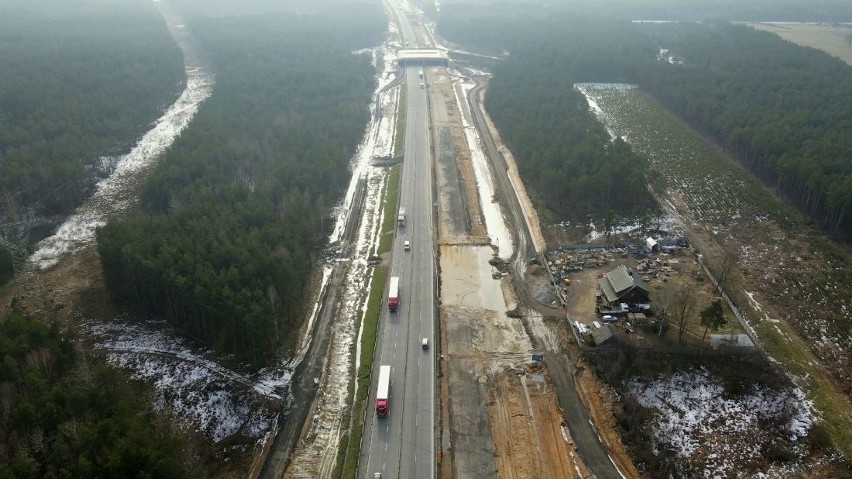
(402, 445)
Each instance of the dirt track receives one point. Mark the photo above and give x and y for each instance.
(528, 429)
(519, 434)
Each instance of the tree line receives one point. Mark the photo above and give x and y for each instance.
(781, 109)
(232, 218)
(573, 165)
(825, 11)
(77, 83)
(63, 414)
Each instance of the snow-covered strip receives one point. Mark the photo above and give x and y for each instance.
(718, 433)
(604, 117)
(667, 222)
(116, 194)
(470, 71)
(211, 398)
(378, 141)
(305, 341)
(595, 234)
(465, 52)
(316, 456)
(498, 232)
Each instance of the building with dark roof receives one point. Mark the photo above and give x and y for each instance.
(621, 286)
(601, 335)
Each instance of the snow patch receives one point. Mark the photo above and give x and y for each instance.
(718, 433)
(116, 194)
(211, 398)
(498, 232)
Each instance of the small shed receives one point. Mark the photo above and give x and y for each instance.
(651, 245)
(601, 335)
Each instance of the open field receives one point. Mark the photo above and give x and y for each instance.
(793, 285)
(828, 38)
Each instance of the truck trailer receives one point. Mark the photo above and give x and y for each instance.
(393, 293)
(400, 217)
(383, 392)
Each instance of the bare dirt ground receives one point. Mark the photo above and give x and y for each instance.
(485, 352)
(517, 184)
(520, 433)
(525, 415)
(599, 399)
(72, 289)
(460, 199)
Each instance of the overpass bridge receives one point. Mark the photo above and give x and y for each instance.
(422, 56)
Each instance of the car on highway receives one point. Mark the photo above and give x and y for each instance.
(407, 245)
(425, 343)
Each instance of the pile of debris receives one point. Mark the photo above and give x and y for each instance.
(566, 259)
(501, 266)
(659, 267)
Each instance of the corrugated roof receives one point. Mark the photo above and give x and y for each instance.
(600, 335)
(619, 278)
(606, 289)
(639, 283)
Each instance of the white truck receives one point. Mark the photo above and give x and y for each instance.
(383, 392)
(393, 293)
(400, 217)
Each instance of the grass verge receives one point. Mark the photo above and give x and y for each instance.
(400, 122)
(391, 207)
(350, 446)
(782, 344)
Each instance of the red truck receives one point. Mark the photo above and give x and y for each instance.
(383, 392)
(393, 293)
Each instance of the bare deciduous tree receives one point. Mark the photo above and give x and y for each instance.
(726, 268)
(665, 304)
(712, 317)
(682, 307)
(7, 396)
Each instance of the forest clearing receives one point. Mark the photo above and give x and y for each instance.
(832, 39)
(791, 283)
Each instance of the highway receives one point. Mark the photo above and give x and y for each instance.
(403, 444)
